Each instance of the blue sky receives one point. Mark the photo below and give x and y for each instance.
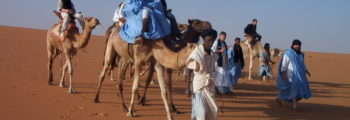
(322, 25)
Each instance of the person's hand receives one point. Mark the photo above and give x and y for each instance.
(284, 76)
(223, 49)
(70, 11)
(123, 20)
(308, 73)
(272, 62)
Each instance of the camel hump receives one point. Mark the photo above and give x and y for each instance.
(58, 14)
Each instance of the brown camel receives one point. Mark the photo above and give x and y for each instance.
(144, 53)
(252, 52)
(69, 46)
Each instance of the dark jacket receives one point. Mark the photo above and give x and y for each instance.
(65, 4)
(165, 7)
(238, 55)
(250, 29)
(221, 55)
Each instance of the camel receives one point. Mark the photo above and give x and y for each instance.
(152, 52)
(69, 46)
(252, 52)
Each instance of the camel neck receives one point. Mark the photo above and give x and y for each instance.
(84, 37)
(168, 58)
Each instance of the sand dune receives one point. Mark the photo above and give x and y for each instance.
(25, 94)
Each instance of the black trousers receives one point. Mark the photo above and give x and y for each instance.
(256, 36)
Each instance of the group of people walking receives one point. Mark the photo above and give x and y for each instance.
(216, 67)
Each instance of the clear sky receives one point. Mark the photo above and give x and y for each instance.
(322, 25)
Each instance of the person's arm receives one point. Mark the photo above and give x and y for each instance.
(214, 46)
(262, 58)
(220, 51)
(284, 67)
(249, 29)
(59, 6)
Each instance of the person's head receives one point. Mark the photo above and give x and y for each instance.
(267, 46)
(255, 21)
(120, 4)
(208, 36)
(222, 36)
(296, 45)
(237, 41)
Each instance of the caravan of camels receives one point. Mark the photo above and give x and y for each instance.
(211, 68)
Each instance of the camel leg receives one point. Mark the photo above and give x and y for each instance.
(250, 67)
(49, 64)
(64, 69)
(109, 54)
(121, 76)
(70, 71)
(132, 68)
(148, 82)
(160, 75)
(135, 86)
(169, 89)
(111, 74)
(113, 65)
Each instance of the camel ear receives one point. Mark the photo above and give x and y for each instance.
(190, 21)
(88, 18)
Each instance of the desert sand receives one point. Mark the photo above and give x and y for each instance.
(26, 95)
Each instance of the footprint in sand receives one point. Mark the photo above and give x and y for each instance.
(100, 114)
(80, 108)
(59, 101)
(65, 116)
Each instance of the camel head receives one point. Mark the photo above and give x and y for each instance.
(92, 22)
(183, 27)
(199, 25)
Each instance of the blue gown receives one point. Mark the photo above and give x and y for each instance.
(298, 87)
(234, 69)
(158, 25)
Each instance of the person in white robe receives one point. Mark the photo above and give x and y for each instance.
(202, 62)
(221, 76)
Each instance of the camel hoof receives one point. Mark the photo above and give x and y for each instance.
(142, 102)
(174, 110)
(50, 83)
(97, 100)
(62, 85)
(71, 91)
(131, 114)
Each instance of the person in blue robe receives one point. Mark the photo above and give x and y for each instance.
(292, 81)
(235, 62)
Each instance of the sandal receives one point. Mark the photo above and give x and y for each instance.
(279, 102)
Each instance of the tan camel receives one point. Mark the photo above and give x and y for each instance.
(142, 54)
(252, 52)
(69, 46)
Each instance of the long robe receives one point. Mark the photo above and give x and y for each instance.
(158, 26)
(265, 70)
(296, 85)
(203, 99)
(234, 68)
(221, 76)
